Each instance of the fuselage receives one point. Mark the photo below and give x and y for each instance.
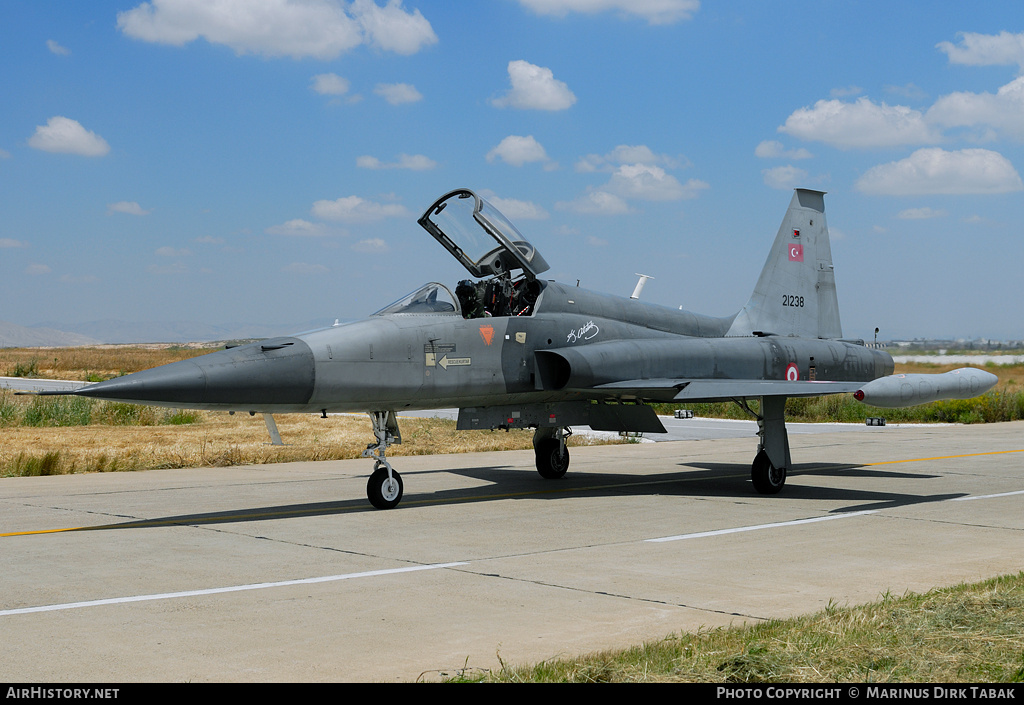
(436, 359)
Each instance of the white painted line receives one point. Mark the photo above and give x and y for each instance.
(987, 496)
(758, 527)
(215, 591)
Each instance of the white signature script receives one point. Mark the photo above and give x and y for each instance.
(585, 333)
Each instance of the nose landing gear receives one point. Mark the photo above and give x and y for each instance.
(384, 488)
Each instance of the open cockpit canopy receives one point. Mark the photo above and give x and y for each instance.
(480, 236)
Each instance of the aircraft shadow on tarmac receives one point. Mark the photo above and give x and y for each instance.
(865, 499)
(722, 480)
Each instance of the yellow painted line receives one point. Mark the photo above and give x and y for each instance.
(43, 531)
(423, 502)
(941, 457)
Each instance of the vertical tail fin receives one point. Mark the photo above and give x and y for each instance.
(796, 293)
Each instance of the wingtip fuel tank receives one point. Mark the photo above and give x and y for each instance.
(910, 390)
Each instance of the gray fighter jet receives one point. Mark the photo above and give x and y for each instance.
(512, 350)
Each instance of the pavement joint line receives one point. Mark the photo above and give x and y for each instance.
(616, 595)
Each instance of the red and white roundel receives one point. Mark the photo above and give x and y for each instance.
(792, 372)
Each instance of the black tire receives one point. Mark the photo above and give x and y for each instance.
(552, 461)
(767, 478)
(382, 492)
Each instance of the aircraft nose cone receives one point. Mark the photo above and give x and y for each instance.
(274, 372)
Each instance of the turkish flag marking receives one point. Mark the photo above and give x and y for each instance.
(796, 253)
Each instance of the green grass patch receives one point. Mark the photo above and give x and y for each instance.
(964, 634)
(29, 368)
(60, 411)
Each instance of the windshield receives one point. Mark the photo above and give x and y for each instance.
(429, 298)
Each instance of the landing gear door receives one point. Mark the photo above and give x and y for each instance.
(480, 236)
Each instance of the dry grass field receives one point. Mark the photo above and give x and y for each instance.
(92, 363)
(219, 439)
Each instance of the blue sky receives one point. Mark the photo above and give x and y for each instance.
(266, 160)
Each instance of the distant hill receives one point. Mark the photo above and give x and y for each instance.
(15, 336)
(111, 331)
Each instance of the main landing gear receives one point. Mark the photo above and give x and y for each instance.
(384, 488)
(768, 471)
(551, 451)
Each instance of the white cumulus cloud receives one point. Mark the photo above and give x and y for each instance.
(518, 150)
(391, 28)
(66, 136)
(651, 183)
(322, 29)
(298, 228)
(56, 48)
(934, 171)
(353, 209)
(534, 88)
(596, 203)
(372, 246)
(985, 49)
(772, 149)
(330, 84)
(626, 154)
(921, 214)
(654, 11)
(784, 177)
(637, 173)
(412, 162)
(1002, 112)
(398, 93)
(129, 207)
(860, 124)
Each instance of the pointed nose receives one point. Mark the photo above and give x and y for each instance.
(265, 375)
